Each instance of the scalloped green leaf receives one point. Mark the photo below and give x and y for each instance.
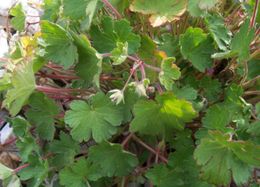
(99, 118)
(223, 159)
(197, 47)
(58, 44)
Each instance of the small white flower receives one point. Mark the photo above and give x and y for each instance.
(140, 89)
(117, 96)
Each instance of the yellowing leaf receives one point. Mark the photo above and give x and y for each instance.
(23, 83)
(160, 11)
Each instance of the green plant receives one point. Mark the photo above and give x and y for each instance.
(121, 93)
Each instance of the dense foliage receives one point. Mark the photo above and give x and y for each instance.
(135, 93)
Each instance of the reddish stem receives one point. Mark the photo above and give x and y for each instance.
(63, 97)
(126, 140)
(149, 148)
(110, 6)
(16, 170)
(65, 77)
(252, 22)
(59, 90)
(9, 141)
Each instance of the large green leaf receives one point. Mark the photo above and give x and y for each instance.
(106, 36)
(42, 113)
(160, 11)
(58, 44)
(100, 117)
(23, 83)
(223, 159)
(197, 47)
(112, 159)
(162, 115)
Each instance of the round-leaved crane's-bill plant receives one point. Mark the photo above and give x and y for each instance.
(123, 93)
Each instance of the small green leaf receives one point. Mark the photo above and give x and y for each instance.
(161, 116)
(58, 44)
(163, 176)
(42, 113)
(185, 92)
(23, 83)
(211, 88)
(120, 53)
(64, 150)
(112, 159)
(18, 21)
(26, 146)
(78, 174)
(197, 47)
(36, 172)
(170, 72)
(212, 119)
(160, 11)
(20, 126)
(219, 31)
(106, 36)
(86, 119)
